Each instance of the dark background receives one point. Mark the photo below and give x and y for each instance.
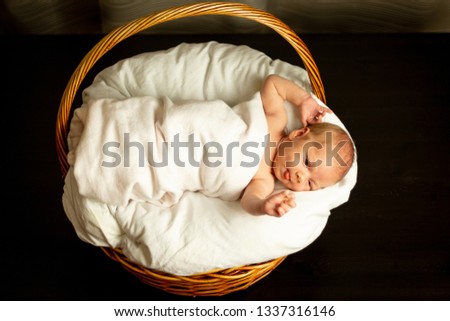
(389, 242)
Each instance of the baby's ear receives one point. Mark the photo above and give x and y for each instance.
(298, 132)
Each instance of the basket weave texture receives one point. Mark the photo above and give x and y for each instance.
(212, 283)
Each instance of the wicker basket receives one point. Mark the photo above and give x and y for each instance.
(217, 282)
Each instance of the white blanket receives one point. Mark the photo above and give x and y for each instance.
(149, 149)
(198, 233)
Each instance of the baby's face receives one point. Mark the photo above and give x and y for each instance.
(301, 164)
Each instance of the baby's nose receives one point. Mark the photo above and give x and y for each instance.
(301, 176)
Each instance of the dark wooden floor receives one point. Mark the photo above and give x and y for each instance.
(391, 241)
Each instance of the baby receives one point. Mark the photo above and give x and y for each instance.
(306, 159)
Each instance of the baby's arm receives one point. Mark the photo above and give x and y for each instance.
(256, 198)
(277, 89)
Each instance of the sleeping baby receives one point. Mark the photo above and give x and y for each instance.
(306, 159)
(233, 153)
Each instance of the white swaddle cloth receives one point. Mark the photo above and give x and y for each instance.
(149, 149)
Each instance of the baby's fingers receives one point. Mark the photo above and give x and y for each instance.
(291, 202)
(320, 114)
(280, 211)
(318, 118)
(287, 203)
(327, 110)
(283, 208)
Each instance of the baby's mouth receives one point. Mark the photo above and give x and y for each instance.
(287, 175)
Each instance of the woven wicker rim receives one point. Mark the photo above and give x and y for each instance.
(217, 282)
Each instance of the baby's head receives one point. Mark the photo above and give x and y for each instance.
(313, 157)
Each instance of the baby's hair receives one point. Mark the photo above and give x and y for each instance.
(346, 152)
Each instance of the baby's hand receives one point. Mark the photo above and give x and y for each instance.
(311, 112)
(280, 203)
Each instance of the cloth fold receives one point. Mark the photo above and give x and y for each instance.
(153, 150)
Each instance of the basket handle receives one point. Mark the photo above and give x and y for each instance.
(190, 10)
